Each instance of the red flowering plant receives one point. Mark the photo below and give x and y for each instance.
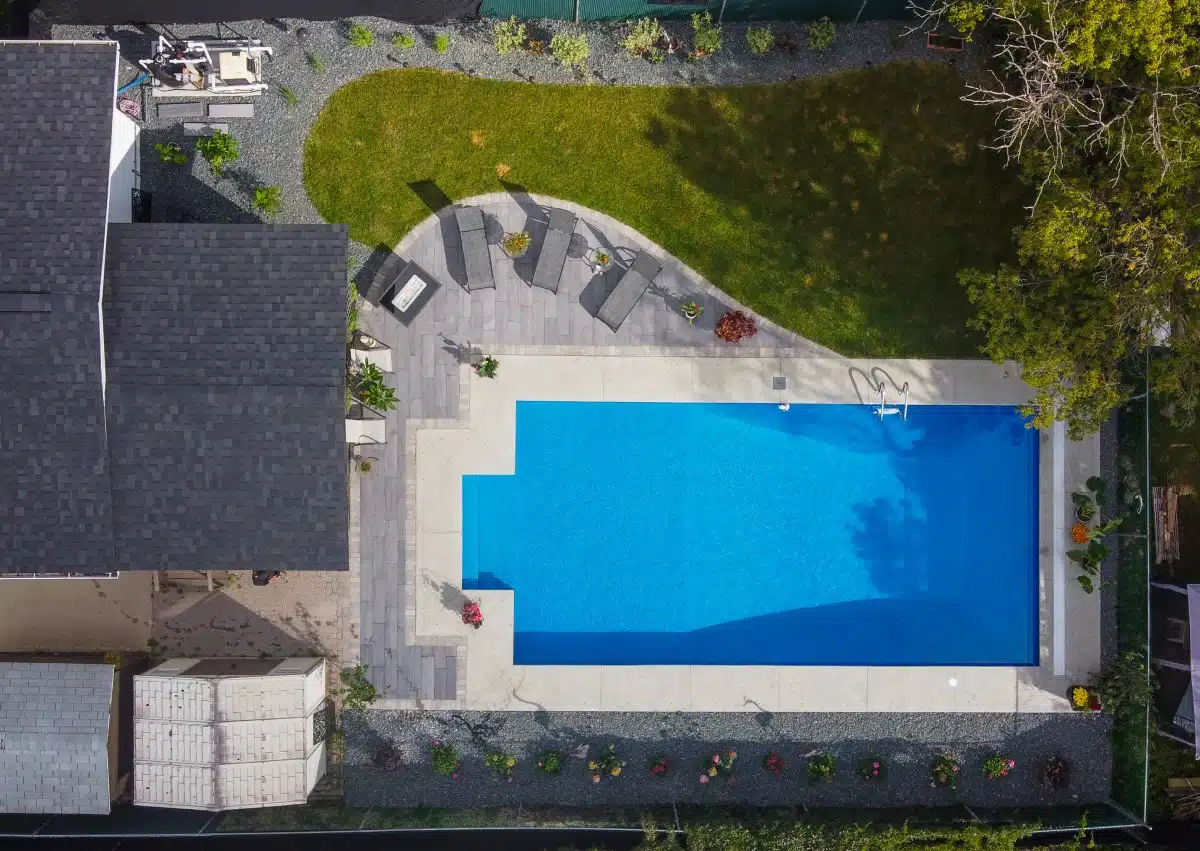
(735, 326)
(872, 769)
(996, 766)
(472, 615)
(659, 767)
(774, 763)
(719, 765)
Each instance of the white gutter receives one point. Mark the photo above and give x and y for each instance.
(1058, 547)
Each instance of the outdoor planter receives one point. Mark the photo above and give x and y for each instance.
(516, 244)
(1084, 699)
(691, 311)
(946, 43)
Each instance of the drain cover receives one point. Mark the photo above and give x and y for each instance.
(779, 382)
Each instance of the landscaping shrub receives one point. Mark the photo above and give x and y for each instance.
(966, 16)
(510, 36)
(360, 36)
(403, 41)
(315, 62)
(821, 34)
(1054, 774)
(606, 765)
(501, 763)
(715, 835)
(659, 767)
(570, 50)
(820, 768)
(171, 154)
(359, 692)
(872, 769)
(945, 771)
(644, 38)
(268, 200)
(441, 42)
(550, 762)
(444, 759)
(774, 763)
(487, 367)
(718, 765)
(735, 326)
(706, 37)
(219, 150)
(289, 96)
(1123, 684)
(760, 40)
(371, 389)
(996, 766)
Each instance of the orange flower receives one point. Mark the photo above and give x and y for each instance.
(1079, 533)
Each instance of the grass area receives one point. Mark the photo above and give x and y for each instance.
(841, 207)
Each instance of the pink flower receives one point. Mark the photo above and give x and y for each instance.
(875, 765)
(733, 753)
(595, 778)
(956, 769)
(716, 759)
(436, 742)
(453, 776)
(1012, 763)
(876, 771)
(703, 778)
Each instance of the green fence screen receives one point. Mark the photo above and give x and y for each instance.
(734, 10)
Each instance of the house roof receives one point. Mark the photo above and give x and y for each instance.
(54, 722)
(56, 100)
(226, 396)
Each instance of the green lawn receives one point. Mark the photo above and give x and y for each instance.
(840, 207)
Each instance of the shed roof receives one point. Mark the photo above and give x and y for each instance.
(54, 722)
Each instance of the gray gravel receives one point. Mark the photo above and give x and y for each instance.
(272, 143)
(908, 743)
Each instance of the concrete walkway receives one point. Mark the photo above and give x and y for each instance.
(426, 358)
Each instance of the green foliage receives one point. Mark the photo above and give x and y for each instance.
(510, 36)
(501, 763)
(171, 154)
(360, 36)
(793, 836)
(368, 380)
(441, 42)
(358, 693)
(760, 39)
(315, 62)
(219, 149)
(570, 50)
(643, 39)
(551, 761)
(946, 771)
(706, 36)
(403, 41)
(444, 759)
(353, 303)
(821, 35)
(268, 200)
(289, 96)
(820, 768)
(966, 16)
(1125, 684)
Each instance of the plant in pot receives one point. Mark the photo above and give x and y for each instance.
(691, 310)
(1085, 699)
(1055, 775)
(367, 379)
(516, 244)
(603, 260)
(1087, 502)
(487, 367)
(472, 615)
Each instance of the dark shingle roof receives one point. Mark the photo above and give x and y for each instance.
(56, 104)
(226, 394)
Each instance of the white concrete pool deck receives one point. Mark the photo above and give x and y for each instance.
(440, 452)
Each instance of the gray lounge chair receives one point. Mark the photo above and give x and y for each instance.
(629, 289)
(474, 247)
(553, 255)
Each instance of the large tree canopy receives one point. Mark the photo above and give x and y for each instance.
(1099, 102)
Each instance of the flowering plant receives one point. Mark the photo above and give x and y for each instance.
(718, 766)
(1079, 533)
(691, 310)
(487, 367)
(945, 771)
(516, 243)
(472, 615)
(735, 326)
(1084, 699)
(550, 762)
(996, 766)
(774, 763)
(872, 769)
(603, 260)
(607, 764)
(501, 763)
(659, 767)
(820, 769)
(444, 759)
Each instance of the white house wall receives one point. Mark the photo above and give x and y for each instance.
(122, 168)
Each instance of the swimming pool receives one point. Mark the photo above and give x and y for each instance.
(733, 534)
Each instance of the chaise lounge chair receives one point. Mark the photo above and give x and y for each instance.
(474, 247)
(554, 250)
(629, 289)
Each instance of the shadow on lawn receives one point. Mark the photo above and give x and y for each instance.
(868, 196)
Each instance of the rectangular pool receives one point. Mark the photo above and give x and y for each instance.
(732, 534)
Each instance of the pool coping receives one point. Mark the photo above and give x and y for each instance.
(482, 440)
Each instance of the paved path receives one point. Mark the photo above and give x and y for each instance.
(425, 361)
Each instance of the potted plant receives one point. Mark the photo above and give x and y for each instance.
(487, 367)
(550, 762)
(719, 765)
(367, 381)
(445, 759)
(472, 615)
(945, 772)
(602, 261)
(659, 767)
(872, 769)
(1085, 699)
(1087, 502)
(516, 244)
(691, 310)
(1055, 775)
(996, 766)
(820, 768)
(774, 764)
(606, 765)
(501, 764)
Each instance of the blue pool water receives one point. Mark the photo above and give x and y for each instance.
(741, 534)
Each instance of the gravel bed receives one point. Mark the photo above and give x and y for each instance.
(907, 743)
(272, 143)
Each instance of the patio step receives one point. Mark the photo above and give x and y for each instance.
(206, 129)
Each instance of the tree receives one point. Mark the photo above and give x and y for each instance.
(1099, 103)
